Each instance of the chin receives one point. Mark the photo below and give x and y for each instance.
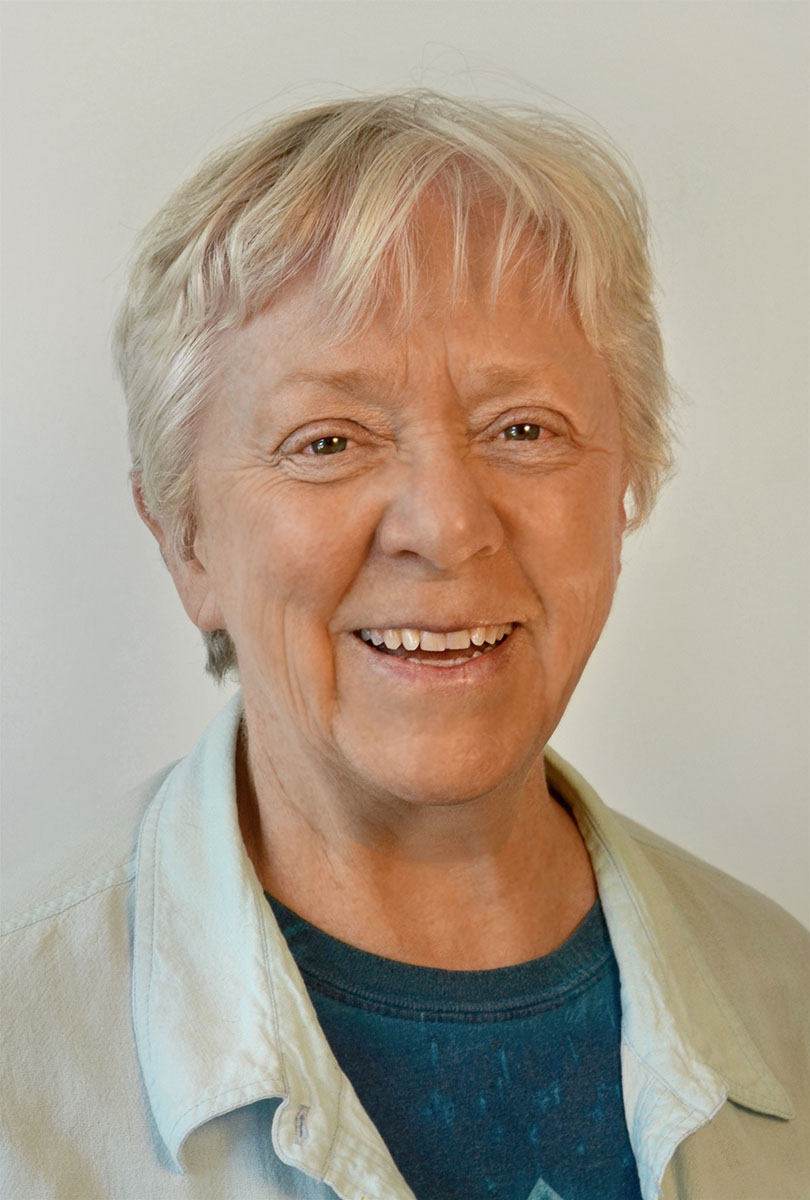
(442, 774)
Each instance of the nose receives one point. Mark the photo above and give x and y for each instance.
(440, 513)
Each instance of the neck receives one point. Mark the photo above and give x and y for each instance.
(496, 880)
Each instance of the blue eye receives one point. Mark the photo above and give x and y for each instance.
(522, 433)
(328, 445)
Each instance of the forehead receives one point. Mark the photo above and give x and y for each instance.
(489, 329)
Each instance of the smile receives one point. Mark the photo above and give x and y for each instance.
(434, 649)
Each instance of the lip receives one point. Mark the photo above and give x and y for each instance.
(407, 672)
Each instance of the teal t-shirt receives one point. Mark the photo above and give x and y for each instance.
(483, 1084)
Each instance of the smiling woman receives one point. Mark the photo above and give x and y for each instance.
(396, 394)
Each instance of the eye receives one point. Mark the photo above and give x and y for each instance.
(328, 445)
(522, 433)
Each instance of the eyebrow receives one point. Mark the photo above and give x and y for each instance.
(361, 379)
(503, 378)
(351, 381)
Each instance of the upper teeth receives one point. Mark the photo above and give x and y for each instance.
(425, 639)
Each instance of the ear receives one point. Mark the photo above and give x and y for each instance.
(194, 586)
(623, 509)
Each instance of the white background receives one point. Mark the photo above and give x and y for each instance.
(692, 716)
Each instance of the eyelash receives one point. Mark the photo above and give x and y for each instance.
(324, 447)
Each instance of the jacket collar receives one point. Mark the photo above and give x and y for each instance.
(685, 1050)
(223, 1021)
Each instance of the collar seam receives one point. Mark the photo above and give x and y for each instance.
(659, 1078)
(117, 876)
(217, 1097)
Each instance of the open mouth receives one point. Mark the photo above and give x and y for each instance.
(437, 649)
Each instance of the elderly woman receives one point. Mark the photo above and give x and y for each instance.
(396, 394)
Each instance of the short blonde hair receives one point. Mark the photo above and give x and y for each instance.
(336, 188)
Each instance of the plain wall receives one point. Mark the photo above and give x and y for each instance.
(693, 714)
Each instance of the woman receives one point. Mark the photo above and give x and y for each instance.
(396, 393)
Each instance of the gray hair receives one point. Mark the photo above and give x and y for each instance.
(336, 188)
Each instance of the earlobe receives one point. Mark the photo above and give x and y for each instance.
(621, 529)
(203, 609)
(190, 577)
(625, 489)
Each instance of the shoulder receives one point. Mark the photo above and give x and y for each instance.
(66, 951)
(75, 881)
(758, 953)
(708, 897)
(74, 925)
(66, 1002)
(714, 905)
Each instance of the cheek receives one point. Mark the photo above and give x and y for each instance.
(286, 555)
(281, 566)
(592, 555)
(571, 527)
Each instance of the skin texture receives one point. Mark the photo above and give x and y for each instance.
(401, 807)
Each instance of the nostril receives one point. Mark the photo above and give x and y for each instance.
(427, 529)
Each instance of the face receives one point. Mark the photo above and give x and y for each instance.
(461, 481)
